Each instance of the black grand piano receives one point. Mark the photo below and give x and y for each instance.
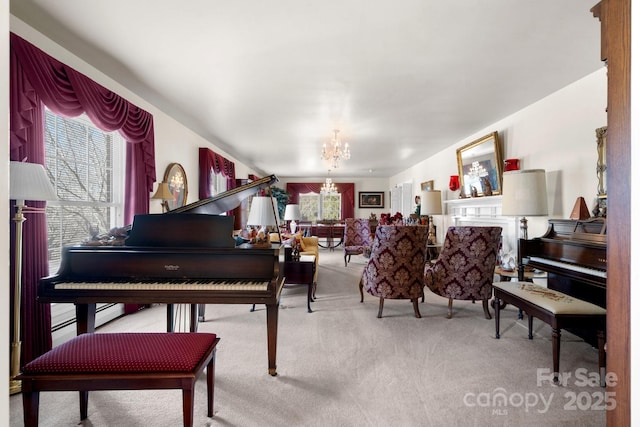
(574, 255)
(185, 256)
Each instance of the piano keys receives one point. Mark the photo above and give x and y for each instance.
(183, 257)
(574, 255)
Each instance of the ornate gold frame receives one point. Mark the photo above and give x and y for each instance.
(485, 153)
(176, 178)
(601, 171)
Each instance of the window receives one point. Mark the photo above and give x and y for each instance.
(218, 183)
(86, 167)
(314, 206)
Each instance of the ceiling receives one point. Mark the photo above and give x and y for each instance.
(268, 82)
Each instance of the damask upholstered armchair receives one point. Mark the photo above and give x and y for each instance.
(357, 237)
(396, 266)
(465, 266)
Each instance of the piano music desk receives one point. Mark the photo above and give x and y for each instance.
(558, 310)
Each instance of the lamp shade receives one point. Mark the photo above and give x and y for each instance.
(431, 202)
(163, 192)
(292, 212)
(262, 212)
(29, 181)
(524, 193)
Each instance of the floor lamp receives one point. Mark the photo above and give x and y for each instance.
(524, 193)
(431, 204)
(28, 181)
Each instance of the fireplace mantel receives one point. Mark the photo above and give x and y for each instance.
(485, 211)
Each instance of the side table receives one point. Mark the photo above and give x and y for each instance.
(302, 272)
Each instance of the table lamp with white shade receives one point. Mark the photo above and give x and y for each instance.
(262, 214)
(27, 181)
(292, 213)
(431, 204)
(524, 193)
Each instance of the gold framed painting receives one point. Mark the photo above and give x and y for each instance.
(427, 186)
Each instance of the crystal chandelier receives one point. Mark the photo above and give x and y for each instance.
(328, 188)
(335, 152)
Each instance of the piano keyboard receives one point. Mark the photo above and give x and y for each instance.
(572, 267)
(174, 285)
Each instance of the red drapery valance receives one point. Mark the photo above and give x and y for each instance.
(346, 190)
(210, 161)
(69, 93)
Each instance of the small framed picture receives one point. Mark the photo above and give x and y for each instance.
(371, 199)
(427, 186)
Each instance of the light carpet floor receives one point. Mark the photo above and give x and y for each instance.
(342, 366)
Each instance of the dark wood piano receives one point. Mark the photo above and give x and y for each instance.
(185, 256)
(574, 255)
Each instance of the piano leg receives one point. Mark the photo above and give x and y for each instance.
(193, 318)
(170, 315)
(272, 336)
(85, 318)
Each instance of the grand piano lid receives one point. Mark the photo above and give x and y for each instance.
(226, 201)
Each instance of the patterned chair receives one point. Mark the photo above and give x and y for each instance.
(357, 237)
(396, 266)
(465, 266)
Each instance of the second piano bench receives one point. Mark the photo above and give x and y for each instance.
(122, 361)
(559, 310)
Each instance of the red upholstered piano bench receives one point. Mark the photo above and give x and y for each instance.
(122, 361)
(558, 310)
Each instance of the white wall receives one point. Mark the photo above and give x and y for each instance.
(556, 133)
(173, 141)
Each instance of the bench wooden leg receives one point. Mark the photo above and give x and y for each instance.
(497, 305)
(602, 358)
(530, 319)
(555, 335)
(187, 405)
(30, 407)
(84, 403)
(211, 369)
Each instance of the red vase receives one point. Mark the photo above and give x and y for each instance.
(454, 183)
(511, 165)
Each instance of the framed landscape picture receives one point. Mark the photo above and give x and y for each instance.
(371, 199)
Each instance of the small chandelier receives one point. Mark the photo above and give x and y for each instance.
(335, 152)
(328, 188)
